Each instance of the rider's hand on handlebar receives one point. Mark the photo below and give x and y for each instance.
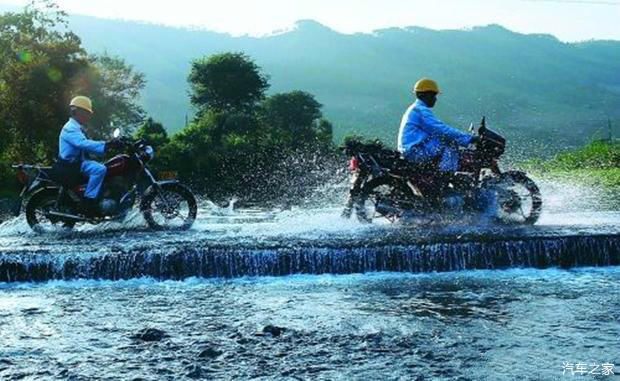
(115, 143)
(126, 140)
(118, 143)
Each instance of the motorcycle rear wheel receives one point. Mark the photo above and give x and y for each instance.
(385, 198)
(37, 208)
(173, 207)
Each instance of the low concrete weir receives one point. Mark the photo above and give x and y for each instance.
(206, 259)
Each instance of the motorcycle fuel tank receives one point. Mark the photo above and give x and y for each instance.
(118, 165)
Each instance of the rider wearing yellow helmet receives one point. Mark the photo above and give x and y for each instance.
(423, 138)
(75, 147)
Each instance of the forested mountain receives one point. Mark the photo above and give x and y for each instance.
(532, 87)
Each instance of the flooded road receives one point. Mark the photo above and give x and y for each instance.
(350, 301)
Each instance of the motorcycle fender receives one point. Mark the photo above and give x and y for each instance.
(519, 173)
(18, 207)
(153, 188)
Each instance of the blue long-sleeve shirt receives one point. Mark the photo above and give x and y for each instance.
(73, 145)
(420, 126)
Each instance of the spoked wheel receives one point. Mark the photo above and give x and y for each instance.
(173, 207)
(385, 198)
(518, 198)
(37, 213)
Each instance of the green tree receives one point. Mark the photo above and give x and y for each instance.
(226, 82)
(240, 145)
(325, 133)
(153, 133)
(294, 119)
(37, 55)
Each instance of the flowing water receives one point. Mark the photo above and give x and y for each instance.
(302, 294)
(472, 325)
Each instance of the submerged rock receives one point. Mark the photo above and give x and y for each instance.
(273, 330)
(196, 372)
(150, 334)
(209, 353)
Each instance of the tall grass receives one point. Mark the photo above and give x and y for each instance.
(598, 163)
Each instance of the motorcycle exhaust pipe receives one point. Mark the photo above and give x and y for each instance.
(67, 216)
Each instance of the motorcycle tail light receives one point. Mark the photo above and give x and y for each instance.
(354, 164)
(22, 177)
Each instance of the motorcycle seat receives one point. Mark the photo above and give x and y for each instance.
(405, 167)
(68, 177)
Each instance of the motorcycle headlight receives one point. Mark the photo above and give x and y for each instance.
(148, 153)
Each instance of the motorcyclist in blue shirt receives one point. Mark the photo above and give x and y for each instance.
(423, 138)
(75, 147)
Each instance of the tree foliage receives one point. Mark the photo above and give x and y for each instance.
(153, 132)
(35, 61)
(292, 118)
(42, 66)
(240, 139)
(226, 82)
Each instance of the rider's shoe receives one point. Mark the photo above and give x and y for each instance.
(90, 208)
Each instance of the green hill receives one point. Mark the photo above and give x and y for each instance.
(531, 87)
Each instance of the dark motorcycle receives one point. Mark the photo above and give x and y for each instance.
(385, 185)
(54, 201)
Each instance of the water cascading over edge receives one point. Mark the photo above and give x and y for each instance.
(210, 261)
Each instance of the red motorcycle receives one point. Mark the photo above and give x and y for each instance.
(385, 185)
(53, 202)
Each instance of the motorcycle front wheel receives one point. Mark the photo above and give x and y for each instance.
(170, 207)
(518, 198)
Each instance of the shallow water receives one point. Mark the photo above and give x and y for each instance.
(517, 324)
(472, 325)
(566, 207)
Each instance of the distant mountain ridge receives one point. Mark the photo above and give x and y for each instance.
(532, 87)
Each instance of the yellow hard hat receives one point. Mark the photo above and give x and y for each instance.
(83, 103)
(426, 84)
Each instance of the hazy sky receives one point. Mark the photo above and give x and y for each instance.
(569, 20)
